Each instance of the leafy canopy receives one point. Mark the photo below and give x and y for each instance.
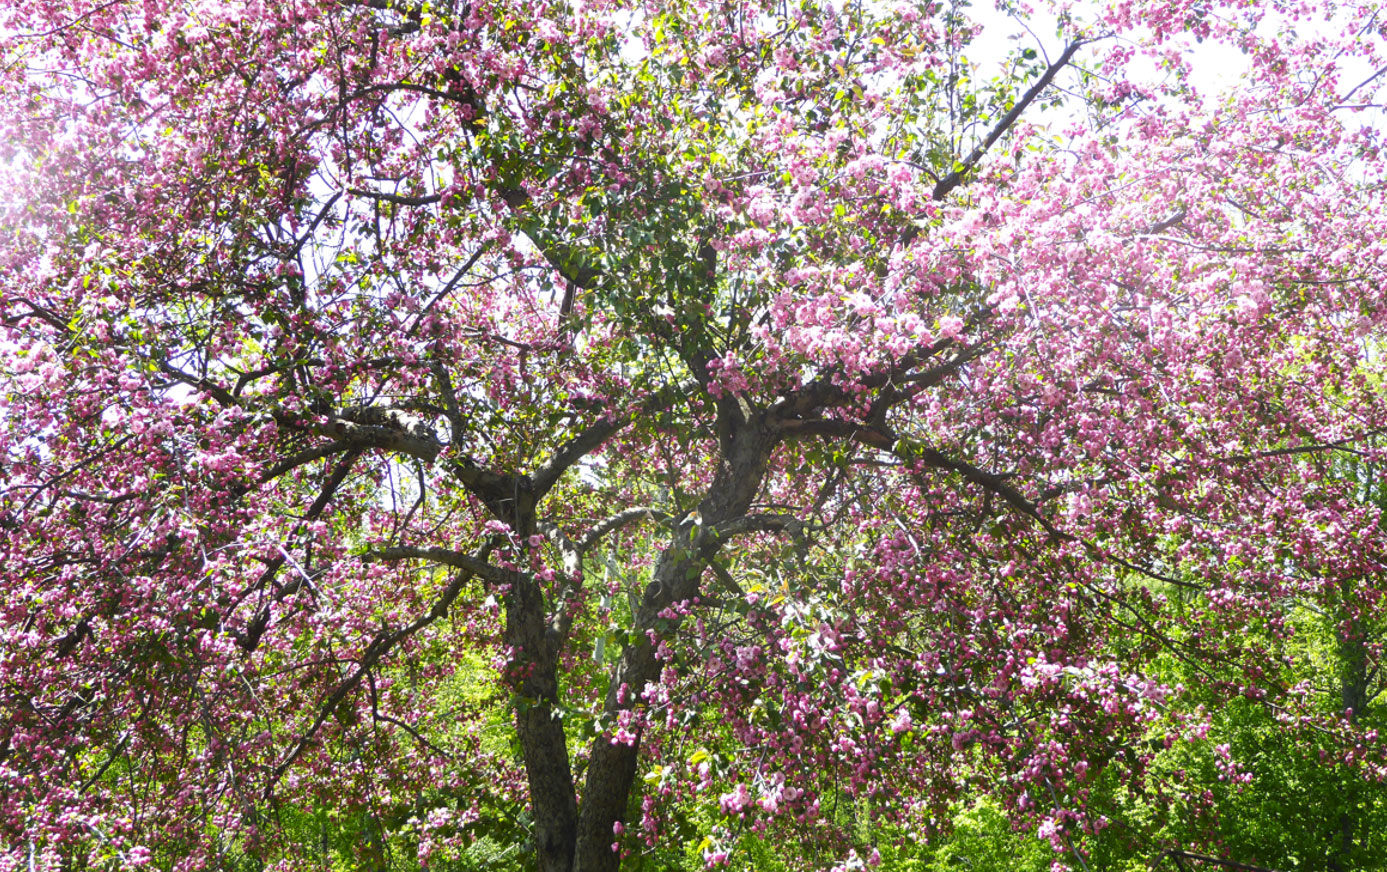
(573, 433)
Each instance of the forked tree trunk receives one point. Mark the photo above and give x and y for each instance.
(570, 838)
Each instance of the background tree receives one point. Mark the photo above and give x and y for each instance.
(694, 423)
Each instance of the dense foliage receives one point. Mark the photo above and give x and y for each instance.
(571, 434)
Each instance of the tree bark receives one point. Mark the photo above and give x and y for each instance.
(543, 745)
(612, 766)
(1353, 696)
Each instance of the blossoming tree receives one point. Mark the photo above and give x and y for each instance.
(731, 401)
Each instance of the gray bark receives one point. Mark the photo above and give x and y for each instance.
(1353, 697)
(542, 741)
(611, 772)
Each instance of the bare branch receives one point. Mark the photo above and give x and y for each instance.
(308, 455)
(725, 579)
(1369, 80)
(397, 199)
(994, 483)
(1102, 554)
(385, 428)
(554, 533)
(619, 520)
(447, 289)
(1175, 853)
(825, 392)
(445, 556)
(109, 499)
(1342, 446)
(560, 254)
(379, 715)
(104, 767)
(384, 642)
(547, 475)
(1165, 224)
(71, 471)
(572, 451)
(316, 223)
(968, 164)
(911, 450)
(250, 639)
(762, 523)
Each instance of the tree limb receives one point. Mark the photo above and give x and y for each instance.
(385, 428)
(398, 199)
(547, 475)
(909, 450)
(559, 254)
(762, 523)
(308, 455)
(967, 165)
(824, 392)
(384, 642)
(590, 439)
(445, 556)
(619, 520)
(1177, 854)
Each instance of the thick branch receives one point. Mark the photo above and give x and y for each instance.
(825, 392)
(761, 523)
(675, 577)
(590, 439)
(1166, 224)
(356, 427)
(994, 483)
(1175, 853)
(398, 199)
(445, 556)
(554, 533)
(216, 391)
(294, 461)
(617, 521)
(384, 428)
(725, 579)
(250, 639)
(909, 450)
(835, 428)
(572, 451)
(936, 374)
(560, 255)
(494, 489)
(968, 164)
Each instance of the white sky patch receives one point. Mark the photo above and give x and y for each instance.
(1218, 67)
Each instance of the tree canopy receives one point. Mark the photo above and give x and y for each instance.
(653, 433)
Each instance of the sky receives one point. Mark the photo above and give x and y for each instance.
(1219, 66)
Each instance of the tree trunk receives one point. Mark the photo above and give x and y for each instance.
(543, 745)
(1353, 690)
(612, 767)
(551, 786)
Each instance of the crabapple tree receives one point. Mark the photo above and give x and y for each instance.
(759, 407)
